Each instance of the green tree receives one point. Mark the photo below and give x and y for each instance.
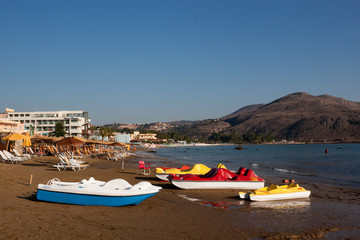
(105, 132)
(59, 129)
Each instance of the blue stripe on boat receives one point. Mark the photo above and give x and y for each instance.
(91, 200)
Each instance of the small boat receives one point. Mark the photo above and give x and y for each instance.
(219, 178)
(197, 169)
(160, 171)
(114, 193)
(276, 192)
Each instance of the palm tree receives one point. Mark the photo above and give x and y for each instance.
(105, 132)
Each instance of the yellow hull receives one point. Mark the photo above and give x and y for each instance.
(275, 192)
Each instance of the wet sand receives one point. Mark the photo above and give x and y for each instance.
(330, 213)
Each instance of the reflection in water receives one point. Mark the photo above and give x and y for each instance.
(276, 205)
(188, 198)
(283, 204)
(226, 205)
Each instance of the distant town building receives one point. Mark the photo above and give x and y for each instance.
(122, 138)
(7, 126)
(44, 122)
(142, 136)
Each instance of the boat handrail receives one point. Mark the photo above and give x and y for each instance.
(53, 181)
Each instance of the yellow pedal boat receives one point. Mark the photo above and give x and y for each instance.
(276, 192)
(197, 169)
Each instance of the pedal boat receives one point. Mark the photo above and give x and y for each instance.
(276, 192)
(160, 171)
(219, 178)
(197, 169)
(114, 193)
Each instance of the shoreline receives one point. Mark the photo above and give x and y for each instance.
(173, 213)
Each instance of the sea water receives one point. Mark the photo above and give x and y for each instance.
(340, 166)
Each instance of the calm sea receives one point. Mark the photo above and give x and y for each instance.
(308, 163)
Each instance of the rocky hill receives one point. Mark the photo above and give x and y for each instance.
(298, 116)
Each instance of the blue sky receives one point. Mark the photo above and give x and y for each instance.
(165, 60)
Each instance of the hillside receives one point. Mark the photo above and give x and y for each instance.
(298, 116)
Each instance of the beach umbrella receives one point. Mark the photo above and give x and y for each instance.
(117, 144)
(70, 141)
(13, 137)
(40, 138)
(27, 140)
(55, 139)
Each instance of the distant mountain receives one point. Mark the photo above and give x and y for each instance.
(243, 110)
(298, 116)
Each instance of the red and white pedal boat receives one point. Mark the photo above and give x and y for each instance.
(219, 178)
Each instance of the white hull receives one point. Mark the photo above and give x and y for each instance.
(114, 193)
(218, 184)
(283, 196)
(162, 176)
(115, 187)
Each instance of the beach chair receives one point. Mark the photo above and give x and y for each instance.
(143, 168)
(27, 156)
(70, 160)
(31, 151)
(7, 159)
(65, 164)
(9, 155)
(111, 157)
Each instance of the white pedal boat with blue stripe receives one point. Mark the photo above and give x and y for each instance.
(114, 193)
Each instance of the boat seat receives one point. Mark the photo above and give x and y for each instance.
(140, 186)
(233, 178)
(293, 185)
(273, 187)
(211, 173)
(220, 165)
(117, 184)
(241, 171)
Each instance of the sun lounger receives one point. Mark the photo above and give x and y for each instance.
(27, 156)
(9, 155)
(31, 151)
(64, 164)
(7, 159)
(70, 160)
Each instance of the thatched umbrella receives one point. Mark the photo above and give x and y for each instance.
(117, 144)
(38, 137)
(70, 141)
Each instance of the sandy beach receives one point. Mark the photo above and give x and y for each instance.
(330, 213)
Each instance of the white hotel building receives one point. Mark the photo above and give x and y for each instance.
(44, 122)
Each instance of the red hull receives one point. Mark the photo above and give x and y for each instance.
(220, 174)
